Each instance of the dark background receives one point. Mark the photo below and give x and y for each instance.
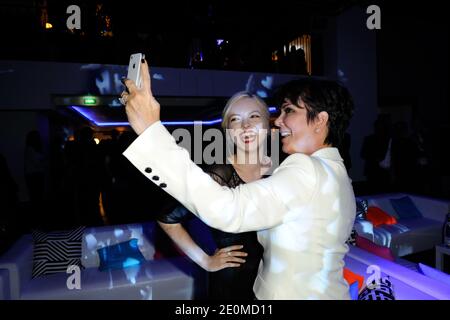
(411, 53)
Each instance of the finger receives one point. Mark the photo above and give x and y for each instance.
(234, 259)
(240, 254)
(123, 82)
(235, 254)
(145, 74)
(231, 265)
(131, 86)
(234, 247)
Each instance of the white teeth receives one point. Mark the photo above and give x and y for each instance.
(285, 134)
(249, 135)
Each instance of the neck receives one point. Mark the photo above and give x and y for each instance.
(250, 170)
(318, 147)
(247, 158)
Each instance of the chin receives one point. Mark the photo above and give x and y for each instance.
(286, 150)
(250, 148)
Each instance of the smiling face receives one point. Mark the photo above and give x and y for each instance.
(246, 119)
(297, 135)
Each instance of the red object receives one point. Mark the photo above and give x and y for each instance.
(158, 255)
(351, 277)
(379, 217)
(371, 247)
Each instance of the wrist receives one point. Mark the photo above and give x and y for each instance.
(205, 262)
(145, 127)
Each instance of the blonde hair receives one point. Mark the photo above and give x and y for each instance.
(241, 95)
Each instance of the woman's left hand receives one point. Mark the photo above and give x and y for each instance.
(141, 107)
(228, 257)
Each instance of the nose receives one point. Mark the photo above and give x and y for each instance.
(245, 123)
(278, 121)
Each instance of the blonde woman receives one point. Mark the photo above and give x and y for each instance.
(234, 265)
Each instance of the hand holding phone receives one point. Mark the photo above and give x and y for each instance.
(141, 107)
(134, 69)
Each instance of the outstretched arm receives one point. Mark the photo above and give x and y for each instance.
(254, 206)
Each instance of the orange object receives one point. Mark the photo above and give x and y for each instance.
(351, 277)
(379, 217)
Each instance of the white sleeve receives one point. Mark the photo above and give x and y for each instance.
(253, 206)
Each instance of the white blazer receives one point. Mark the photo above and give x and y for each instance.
(303, 212)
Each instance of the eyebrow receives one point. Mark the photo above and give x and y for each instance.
(289, 104)
(285, 105)
(235, 114)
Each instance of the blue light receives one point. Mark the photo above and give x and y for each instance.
(261, 93)
(134, 243)
(190, 123)
(130, 262)
(90, 117)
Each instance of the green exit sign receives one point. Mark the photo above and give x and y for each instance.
(89, 101)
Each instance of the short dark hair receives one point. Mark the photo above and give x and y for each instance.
(321, 95)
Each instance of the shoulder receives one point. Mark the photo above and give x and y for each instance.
(297, 167)
(297, 170)
(297, 160)
(294, 182)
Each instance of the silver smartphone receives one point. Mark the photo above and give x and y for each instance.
(134, 68)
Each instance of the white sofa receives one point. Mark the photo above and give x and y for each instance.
(408, 235)
(163, 279)
(153, 279)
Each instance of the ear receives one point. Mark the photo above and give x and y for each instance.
(321, 122)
